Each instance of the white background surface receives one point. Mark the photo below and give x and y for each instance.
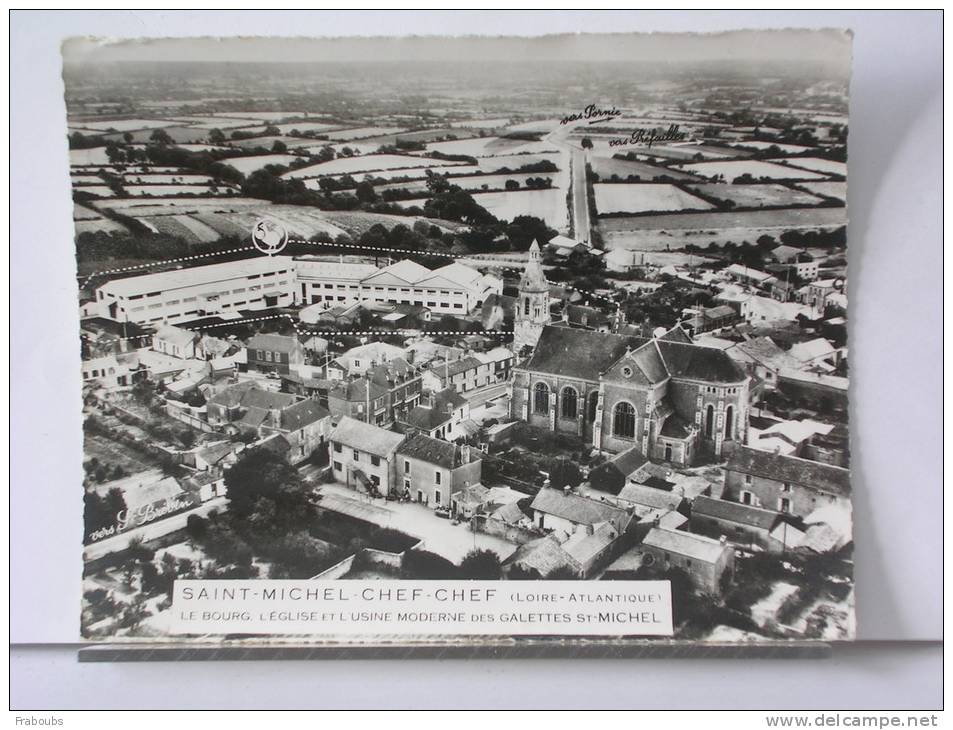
(895, 169)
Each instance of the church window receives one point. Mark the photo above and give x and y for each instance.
(729, 421)
(526, 306)
(541, 398)
(623, 420)
(710, 422)
(569, 403)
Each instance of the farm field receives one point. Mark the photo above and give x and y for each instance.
(791, 149)
(268, 142)
(473, 182)
(606, 167)
(94, 225)
(751, 196)
(89, 156)
(365, 163)
(103, 191)
(755, 168)
(169, 206)
(197, 147)
(166, 179)
(161, 191)
(82, 213)
(818, 164)
(415, 173)
(248, 165)
(125, 125)
(676, 230)
(86, 180)
(320, 127)
(537, 125)
(644, 197)
(343, 135)
(264, 116)
(550, 205)
(475, 147)
(514, 162)
(481, 123)
(828, 189)
(177, 134)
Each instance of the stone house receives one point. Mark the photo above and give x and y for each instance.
(787, 484)
(363, 456)
(431, 470)
(703, 559)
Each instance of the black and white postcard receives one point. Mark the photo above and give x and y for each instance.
(461, 338)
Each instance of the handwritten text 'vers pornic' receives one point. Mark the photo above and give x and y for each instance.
(593, 113)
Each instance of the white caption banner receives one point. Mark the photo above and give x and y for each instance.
(414, 608)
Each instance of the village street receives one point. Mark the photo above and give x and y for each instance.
(440, 535)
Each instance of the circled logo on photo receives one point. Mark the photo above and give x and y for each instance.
(269, 236)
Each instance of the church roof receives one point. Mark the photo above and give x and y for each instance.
(585, 354)
(533, 278)
(578, 353)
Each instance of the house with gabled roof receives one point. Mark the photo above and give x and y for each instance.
(272, 353)
(740, 523)
(566, 512)
(674, 400)
(784, 483)
(705, 560)
(363, 456)
(432, 471)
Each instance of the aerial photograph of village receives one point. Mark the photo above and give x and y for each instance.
(466, 319)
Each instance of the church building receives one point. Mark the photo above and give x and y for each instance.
(676, 401)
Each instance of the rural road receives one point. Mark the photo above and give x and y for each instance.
(580, 201)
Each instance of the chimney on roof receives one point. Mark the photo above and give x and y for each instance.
(465, 454)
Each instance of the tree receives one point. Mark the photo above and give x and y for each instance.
(426, 565)
(564, 473)
(262, 474)
(196, 526)
(481, 565)
(365, 192)
(586, 143)
(160, 137)
(512, 185)
(216, 137)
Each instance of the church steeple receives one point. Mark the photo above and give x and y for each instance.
(532, 305)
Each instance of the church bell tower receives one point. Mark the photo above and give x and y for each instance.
(532, 305)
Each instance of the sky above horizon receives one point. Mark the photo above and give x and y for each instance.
(832, 47)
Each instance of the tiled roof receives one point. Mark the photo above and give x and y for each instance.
(574, 508)
(426, 419)
(449, 400)
(433, 451)
(578, 353)
(583, 548)
(275, 343)
(688, 544)
(267, 399)
(700, 363)
(175, 335)
(791, 469)
(649, 496)
(365, 437)
(510, 513)
(543, 555)
(456, 367)
(586, 354)
(741, 514)
(232, 396)
(302, 414)
(628, 461)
